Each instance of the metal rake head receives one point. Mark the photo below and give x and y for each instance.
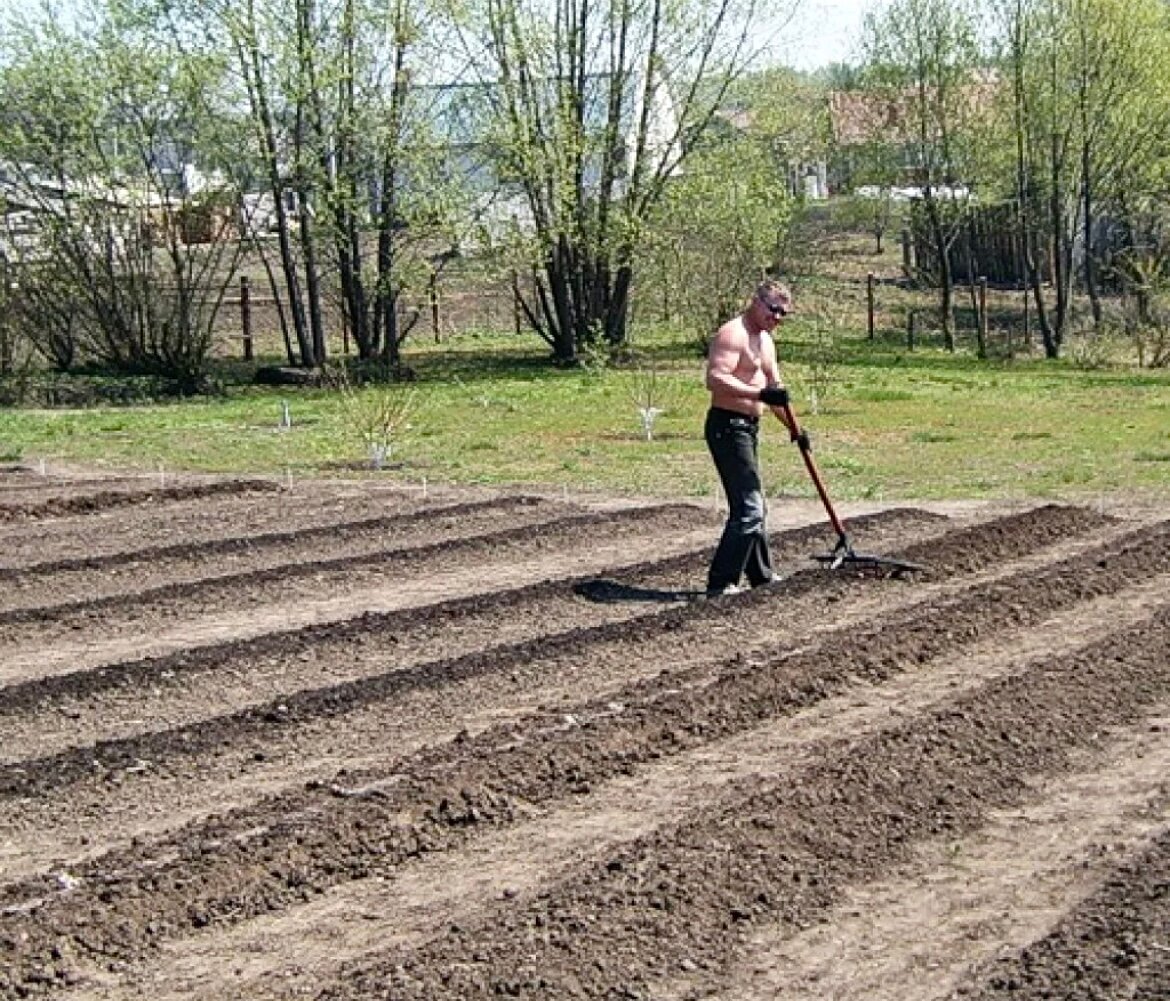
(843, 555)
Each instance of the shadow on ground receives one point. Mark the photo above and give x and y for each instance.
(610, 591)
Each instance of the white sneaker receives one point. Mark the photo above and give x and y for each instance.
(724, 591)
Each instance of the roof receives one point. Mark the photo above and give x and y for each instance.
(862, 116)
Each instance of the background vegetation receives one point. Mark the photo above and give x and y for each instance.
(888, 422)
(152, 153)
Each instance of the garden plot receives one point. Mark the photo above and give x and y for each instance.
(496, 746)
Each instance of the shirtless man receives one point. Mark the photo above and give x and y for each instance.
(744, 379)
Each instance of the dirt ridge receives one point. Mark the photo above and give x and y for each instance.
(104, 500)
(784, 852)
(543, 768)
(254, 543)
(50, 775)
(1114, 945)
(540, 599)
(461, 803)
(249, 582)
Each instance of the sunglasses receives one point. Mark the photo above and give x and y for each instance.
(777, 309)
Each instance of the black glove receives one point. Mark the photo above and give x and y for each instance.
(774, 396)
(802, 439)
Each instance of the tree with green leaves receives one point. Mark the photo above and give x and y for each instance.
(124, 265)
(597, 106)
(923, 61)
(718, 228)
(1089, 108)
(348, 149)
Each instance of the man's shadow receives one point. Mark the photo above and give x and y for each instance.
(611, 591)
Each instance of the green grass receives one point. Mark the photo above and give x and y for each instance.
(892, 424)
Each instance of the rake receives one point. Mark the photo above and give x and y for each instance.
(843, 553)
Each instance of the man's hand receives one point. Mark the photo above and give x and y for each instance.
(774, 396)
(802, 440)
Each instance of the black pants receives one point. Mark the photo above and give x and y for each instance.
(733, 439)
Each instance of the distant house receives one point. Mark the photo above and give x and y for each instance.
(30, 199)
(808, 177)
(887, 120)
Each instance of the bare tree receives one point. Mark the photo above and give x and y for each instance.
(125, 254)
(597, 105)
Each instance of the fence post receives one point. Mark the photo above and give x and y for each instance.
(983, 324)
(911, 323)
(907, 254)
(869, 302)
(246, 316)
(7, 349)
(433, 296)
(1027, 317)
(516, 313)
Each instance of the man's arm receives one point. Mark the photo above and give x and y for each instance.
(772, 370)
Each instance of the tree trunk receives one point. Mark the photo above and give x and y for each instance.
(1092, 286)
(945, 277)
(263, 112)
(305, 103)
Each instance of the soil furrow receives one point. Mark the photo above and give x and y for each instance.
(1116, 944)
(250, 604)
(66, 583)
(284, 954)
(785, 852)
(478, 782)
(257, 585)
(53, 486)
(103, 500)
(367, 644)
(549, 654)
(958, 904)
(144, 803)
(334, 530)
(120, 530)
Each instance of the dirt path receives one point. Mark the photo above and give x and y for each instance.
(259, 770)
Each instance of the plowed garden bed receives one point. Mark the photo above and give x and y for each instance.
(349, 742)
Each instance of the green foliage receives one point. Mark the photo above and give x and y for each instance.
(375, 414)
(106, 268)
(901, 425)
(597, 113)
(718, 231)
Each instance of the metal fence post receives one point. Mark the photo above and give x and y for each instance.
(983, 324)
(869, 296)
(246, 317)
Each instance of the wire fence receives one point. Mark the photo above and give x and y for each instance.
(249, 322)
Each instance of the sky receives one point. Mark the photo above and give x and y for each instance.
(822, 32)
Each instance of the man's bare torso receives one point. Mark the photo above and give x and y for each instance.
(744, 355)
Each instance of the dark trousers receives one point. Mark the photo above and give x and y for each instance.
(733, 440)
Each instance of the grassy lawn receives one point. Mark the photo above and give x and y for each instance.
(889, 423)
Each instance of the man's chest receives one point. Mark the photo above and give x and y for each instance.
(751, 356)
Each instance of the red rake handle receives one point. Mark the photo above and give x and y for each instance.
(815, 475)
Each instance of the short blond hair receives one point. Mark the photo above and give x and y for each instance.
(771, 287)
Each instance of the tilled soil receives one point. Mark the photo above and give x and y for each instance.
(388, 745)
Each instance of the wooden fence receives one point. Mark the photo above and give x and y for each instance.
(250, 320)
(987, 242)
